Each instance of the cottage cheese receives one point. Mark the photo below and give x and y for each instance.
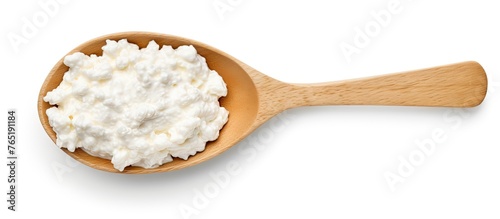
(138, 107)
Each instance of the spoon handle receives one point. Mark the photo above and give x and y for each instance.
(456, 85)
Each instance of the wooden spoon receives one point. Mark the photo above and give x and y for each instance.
(253, 97)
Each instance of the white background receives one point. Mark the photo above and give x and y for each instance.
(326, 162)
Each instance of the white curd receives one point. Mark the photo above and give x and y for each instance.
(138, 107)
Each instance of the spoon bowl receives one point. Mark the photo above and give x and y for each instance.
(254, 98)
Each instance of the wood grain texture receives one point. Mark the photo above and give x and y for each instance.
(456, 85)
(253, 98)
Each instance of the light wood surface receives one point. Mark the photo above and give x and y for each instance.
(253, 98)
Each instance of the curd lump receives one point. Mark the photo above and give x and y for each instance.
(138, 107)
